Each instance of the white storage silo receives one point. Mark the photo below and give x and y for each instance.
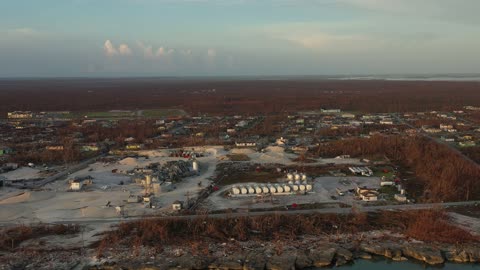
(301, 187)
(195, 165)
(290, 176)
(272, 189)
(286, 188)
(297, 177)
(265, 189)
(304, 177)
(235, 190)
(295, 187)
(308, 187)
(243, 190)
(279, 188)
(258, 190)
(251, 190)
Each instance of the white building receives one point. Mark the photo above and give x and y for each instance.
(76, 185)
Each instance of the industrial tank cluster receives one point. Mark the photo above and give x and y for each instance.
(296, 177)
(272, 188)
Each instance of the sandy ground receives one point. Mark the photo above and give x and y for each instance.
(22, 173)
(56, 203)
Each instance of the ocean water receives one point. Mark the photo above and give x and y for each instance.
(381, 264)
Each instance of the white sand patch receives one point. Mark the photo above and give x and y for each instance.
(129, 161)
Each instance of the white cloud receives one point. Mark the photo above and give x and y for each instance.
(123, 49)
(164, 52)
(109, 48)
(23, 31)
(186, 52)
(211, 53)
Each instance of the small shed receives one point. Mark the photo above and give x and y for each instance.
(177, 205)
(400, 197)
(76, 185)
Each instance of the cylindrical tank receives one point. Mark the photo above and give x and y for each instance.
(297, 177)
(279, 188)
(251, 190)
(272, 189)
(286, 188)
(295, 187)
(195, 165)
(243, 190)
(290, 176)
(236, 190)
(258, 190)
(309, 187)
(301, 187)
(304, 177)
(265, 189)
(402, 191)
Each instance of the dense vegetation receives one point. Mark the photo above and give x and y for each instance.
(235, 97)
(426, 225)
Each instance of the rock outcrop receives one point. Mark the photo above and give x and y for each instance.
(427, 254)
(322, 257)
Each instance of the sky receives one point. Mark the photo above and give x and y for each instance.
(57, 38)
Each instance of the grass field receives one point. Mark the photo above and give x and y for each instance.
(153, 113)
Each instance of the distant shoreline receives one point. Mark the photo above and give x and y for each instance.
(353, 77)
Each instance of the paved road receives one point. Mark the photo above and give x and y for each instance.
(262, 213)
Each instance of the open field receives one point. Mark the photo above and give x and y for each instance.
(159, 113)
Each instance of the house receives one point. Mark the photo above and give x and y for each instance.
(446, 126)
(348, 115)
(177, 205)
(20, 115)
(134, 146)
(367, 194)
(300, 149)
(90, 148)
(386, 122)
(365, 171)
(330, 110)
(246, 144)
(54, 147)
